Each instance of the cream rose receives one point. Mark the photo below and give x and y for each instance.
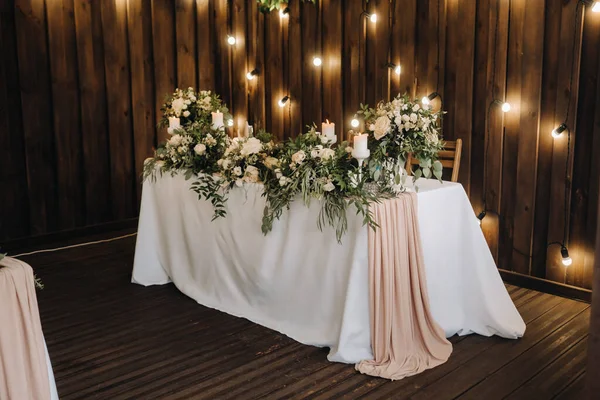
(271, 162)
(200, 149)
(327, 154)
(299, 156)
(251, 146)
(381, 127)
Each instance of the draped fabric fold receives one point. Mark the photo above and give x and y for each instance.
(23, 363)
(404, 337)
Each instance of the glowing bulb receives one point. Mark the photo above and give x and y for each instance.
(373, 18)
(596, 7)
(506, 107)
(284, 13)
(317, 61)
(250, 75)
(283, 101)
(425, 100)
(480, 217)
(398, 70)
(230, 122)
(230, 40)
(354, 123)
(566, 260)
(558, 131)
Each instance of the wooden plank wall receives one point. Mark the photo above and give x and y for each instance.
(83, 82)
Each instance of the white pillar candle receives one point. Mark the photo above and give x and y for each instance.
(174, 123)
(217, 120)
(360, 143)
(328, 128)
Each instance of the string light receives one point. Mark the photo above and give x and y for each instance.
(250, 75)
(230, 40)
(566, 260)
(230, 122)
(283, 101)
(396, 68)
(317, 61)
(480, 217)
(426, 100)
(556, 133)
(284, 13)
(354, 122)
(506, 107)
(596, 7)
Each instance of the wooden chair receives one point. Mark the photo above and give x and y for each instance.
(449, 157)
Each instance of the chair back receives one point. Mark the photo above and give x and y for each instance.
(449, 156)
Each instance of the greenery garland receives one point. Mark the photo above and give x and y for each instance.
(270, 5)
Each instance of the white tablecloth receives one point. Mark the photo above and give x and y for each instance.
(301, 281)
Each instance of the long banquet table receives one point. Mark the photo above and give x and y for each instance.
(301, 281)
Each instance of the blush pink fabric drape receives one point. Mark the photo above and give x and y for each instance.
(23, 366)
(404, 337)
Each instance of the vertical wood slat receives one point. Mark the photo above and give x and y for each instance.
(222, 50)
(118, 84)
(295, 68)
(94, 118)
(351, 72)
(311, 75)
(332, 65)
(139, 18)
(14, 213)
(274, 84)
(66, 118)
(256, 60)
(185, 38)
(560, 183)
(403, 53)
(239, 82)
(163, 46)
(36, 102)
(204, 43)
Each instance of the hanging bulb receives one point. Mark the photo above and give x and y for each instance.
(283, 101)
(506, 107)
(250, 75)
(372, 17)
(317, 61)
(354, 122)
(558, 131)
(398, 70)
(230, 122)
(230, 40)
(566, 260)
(284, 13)
(427, 99)
(596, 7)
(480, 217)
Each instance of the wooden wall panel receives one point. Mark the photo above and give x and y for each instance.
(94, 118)
(90, 78)
(118, 94)
(36, 108)
(14, 212)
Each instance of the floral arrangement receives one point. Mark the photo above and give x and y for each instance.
(396, 129)
(270, 5)
(309, 168)
(191, 106)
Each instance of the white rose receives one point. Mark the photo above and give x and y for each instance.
(349, 149)
(398, 121)
(175, 140)
(413, 118)
(325, 139)
(186, 114)
(177, 105)
(193, 98)
(329, 186)
(382, 127)
(251, 146)
(184, 106)
(226, 164)
(314, 153)
(298, 156)
(237, 171)
(327, 154)
(278, 173)
(405, 117)
(416, 108)
(199, 149)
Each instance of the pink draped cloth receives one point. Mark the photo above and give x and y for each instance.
(23, 365)
(404, 337)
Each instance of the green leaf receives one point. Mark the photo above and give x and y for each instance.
(426, 172)
(437, 174)
(418, 174)
(437, 166)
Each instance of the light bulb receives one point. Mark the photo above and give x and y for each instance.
(398, 70)
(283, 101)
(354, 123)
(373, 18)
(480, 217)
(230, 122)
(317, 61)
(284, 13)
(425, 100)
(566, 260)
(506, 107)
(596, 7)
(250, 75)
(558, 131)
(230, 40)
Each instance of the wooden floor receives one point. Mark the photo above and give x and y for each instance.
(109, 339)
